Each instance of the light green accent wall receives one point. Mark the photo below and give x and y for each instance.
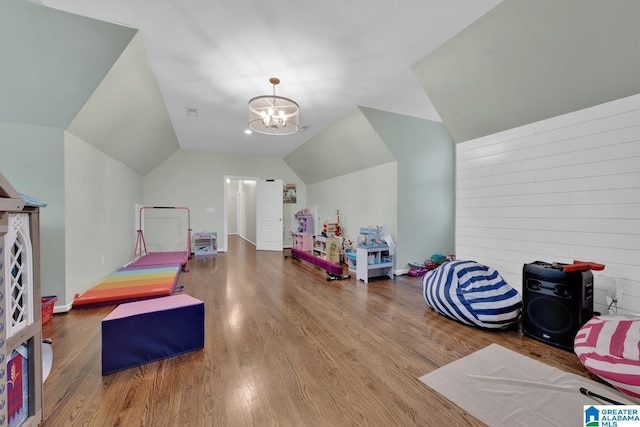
(365, 197)
(348, 145)
(32, 160)
(425, 184)
(416, 199)
(100, 198)
(126, 117)
(52, 61)
(196, 179)
(525, 61)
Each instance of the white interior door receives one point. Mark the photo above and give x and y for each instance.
(269, 212)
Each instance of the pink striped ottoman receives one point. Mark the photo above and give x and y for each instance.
(609, 347)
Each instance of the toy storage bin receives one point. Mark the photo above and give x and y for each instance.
(47, 308)
(205, 243)
(350, 258)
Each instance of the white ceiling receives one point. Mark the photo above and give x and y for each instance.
(330, 56)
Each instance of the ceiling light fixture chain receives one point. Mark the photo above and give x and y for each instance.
(273, 114)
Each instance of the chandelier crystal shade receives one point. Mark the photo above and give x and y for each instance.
(272, 114)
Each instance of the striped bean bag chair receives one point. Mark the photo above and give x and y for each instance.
(608, 346)
(473, 294)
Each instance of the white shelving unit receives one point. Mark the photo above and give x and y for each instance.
(374, 257)
(205, 243)
(373, 261)
(327, 248)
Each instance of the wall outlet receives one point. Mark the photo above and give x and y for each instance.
(211, 210)
(102, 259)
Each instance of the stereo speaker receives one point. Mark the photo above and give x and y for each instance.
(555, 303)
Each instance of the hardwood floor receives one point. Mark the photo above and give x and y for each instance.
(284, 347)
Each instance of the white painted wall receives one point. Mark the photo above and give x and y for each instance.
(232, 206)
(197, 180)
(32, 160)
(100, 195)
(557, 190)
(247, 208)
(366, 197)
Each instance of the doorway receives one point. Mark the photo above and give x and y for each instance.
(242, 209)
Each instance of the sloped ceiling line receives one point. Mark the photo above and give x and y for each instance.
(126, 117)
(526, 61)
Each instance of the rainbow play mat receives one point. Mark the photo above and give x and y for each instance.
(131, 284)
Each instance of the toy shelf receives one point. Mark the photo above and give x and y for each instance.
(302, 237)
(205, 243)
(328, 248)
(373, 261)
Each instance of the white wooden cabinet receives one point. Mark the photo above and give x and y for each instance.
(373, 261)
(327, 248)
(205, 243)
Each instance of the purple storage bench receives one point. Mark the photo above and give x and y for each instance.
(140, 332)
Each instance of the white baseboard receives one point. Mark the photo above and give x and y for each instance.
(62, 308)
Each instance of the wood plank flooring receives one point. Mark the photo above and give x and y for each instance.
(283, 347)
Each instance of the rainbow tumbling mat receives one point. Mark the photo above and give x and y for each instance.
(131, 284)
(160, 259)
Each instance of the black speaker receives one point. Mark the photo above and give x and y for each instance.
(555, 303)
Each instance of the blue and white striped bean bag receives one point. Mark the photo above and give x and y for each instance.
(473, 294)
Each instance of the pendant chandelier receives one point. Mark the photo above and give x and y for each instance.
(272, 114)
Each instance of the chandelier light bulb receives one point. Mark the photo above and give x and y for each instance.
(273, 114)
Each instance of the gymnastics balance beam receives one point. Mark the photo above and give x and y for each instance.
(333, 270)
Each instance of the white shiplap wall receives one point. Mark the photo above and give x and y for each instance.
(557, 190)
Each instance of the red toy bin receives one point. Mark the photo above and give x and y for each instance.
(47, 308)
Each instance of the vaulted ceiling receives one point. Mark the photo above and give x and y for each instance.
(330, 56)
(121, 74)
